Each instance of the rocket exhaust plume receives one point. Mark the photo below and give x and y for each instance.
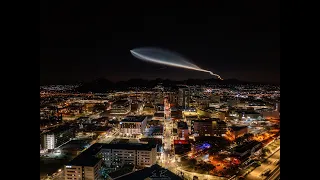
(168, 58)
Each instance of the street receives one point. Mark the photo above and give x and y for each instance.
(269, 164)
(275, 175)
(190, 175)
(167, 159)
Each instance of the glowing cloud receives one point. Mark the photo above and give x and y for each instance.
(165, 57)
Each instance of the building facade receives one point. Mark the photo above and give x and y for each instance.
(184, 97)
(182, 130)
(85, 166)
(121, 107)
(219, 128)
(208, 127)
(133, 125)
(116, 155)
(238, 131)
(82, 172)
(56, 137)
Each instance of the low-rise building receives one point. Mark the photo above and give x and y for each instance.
(245, 150)
(238, 131)
(133, 125)
(148, 109)
(208, 127)
(158, 116)
(211, 112)
(181, 146)
(121, 107)
(116, 155)
(86, 166)
(219, 128)
(153, 172)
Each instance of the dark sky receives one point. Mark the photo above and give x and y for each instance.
(87, 40)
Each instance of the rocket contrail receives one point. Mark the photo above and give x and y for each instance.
(167, 58)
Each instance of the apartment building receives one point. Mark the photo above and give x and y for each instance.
(116, 155)
(52, 139)
(83, 167)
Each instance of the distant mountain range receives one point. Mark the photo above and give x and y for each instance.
(102, 84)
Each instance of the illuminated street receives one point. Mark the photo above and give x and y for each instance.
(270, 163)
(190, 175)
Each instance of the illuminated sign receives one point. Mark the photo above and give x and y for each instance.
(181, 142)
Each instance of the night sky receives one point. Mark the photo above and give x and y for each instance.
(82, 41)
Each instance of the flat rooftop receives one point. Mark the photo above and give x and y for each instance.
(207, 120)
(182, 125)
(120, 102)
(247, 146)
(86, 158)
(238, 128)
(247, 112)
(60, 129)
(131, 146)
(221, 122)
(134, 119)
(75, 144)
(161, 114)
(152, 172)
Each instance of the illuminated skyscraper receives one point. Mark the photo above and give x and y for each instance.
(184, 97)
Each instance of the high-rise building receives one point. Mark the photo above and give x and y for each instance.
(57, 137)
(277, 107)
(172, 97)
(158, 94)
(184, 97)
(183, 132)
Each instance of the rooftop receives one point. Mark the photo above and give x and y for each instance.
(238, 128)
(134, 119)
(209, 120)
(221, 122)
(131, 146)
(247, 112)
(158, 114)
(153, 172)
(247, 146)
(120, 102)
(86, 158)
(75, 144)
(60, 129)
(182, 125)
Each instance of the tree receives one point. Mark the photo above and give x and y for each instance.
(248, 136)
(239, 140)
(205, 168)
(209, 167)
(265, 151)
(192, 162)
